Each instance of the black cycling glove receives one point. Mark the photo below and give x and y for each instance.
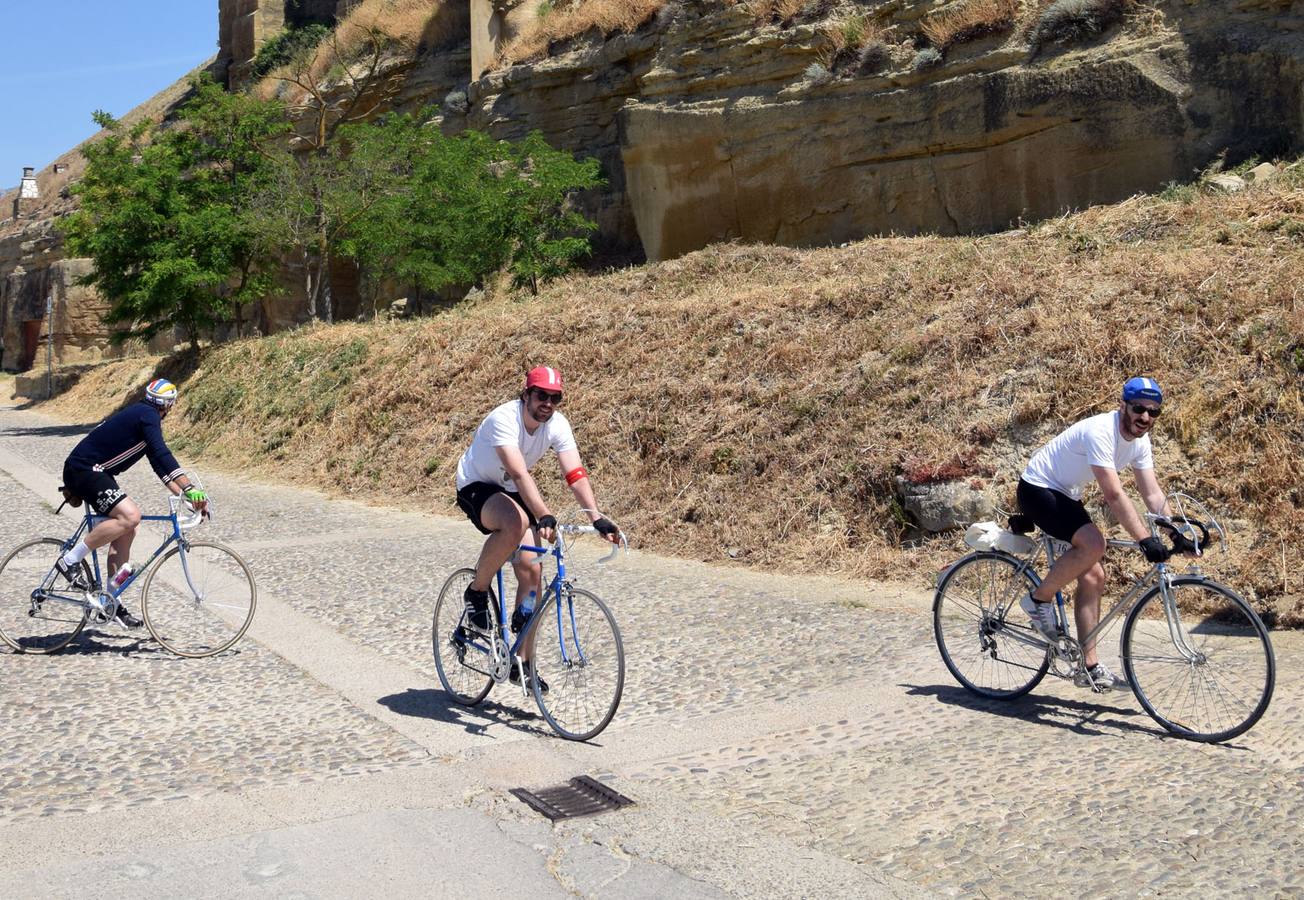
(1155, 549)
(549, 521)
(606, 527)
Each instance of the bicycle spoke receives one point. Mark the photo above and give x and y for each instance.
(983, 651)
(462, 663)
(1225, 683)
(38, 613)
(584, 667)
(199, 600)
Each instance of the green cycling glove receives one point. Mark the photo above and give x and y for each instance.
(194, 495)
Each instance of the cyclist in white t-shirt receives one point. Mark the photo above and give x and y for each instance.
(499, 496)
(1050, 493)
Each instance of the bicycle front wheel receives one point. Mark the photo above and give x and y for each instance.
(578, 654)
(39, 612)
(982, 633)
(199, 599)
(462, 658)
(1205, 669)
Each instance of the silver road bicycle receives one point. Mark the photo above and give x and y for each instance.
(1196, 655)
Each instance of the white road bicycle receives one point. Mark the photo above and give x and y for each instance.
(1197, 656)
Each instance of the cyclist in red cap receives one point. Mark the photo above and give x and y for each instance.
(499, 496)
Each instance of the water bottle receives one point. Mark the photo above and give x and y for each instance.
(120, 577)
(523, 613)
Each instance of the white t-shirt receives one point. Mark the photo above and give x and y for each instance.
(505, 427)
(1065, 463)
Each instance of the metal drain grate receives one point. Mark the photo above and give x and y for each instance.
(581, 796)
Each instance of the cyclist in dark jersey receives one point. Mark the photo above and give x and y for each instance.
(111, 448)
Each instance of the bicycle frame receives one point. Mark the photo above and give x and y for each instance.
(554, 587)
(90, 520)
(1159, 573)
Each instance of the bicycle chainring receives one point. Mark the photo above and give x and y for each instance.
(1066, 657)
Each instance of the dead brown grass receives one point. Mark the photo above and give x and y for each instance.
(970, 20)
(763, 400)
(607, 16)
(399, 27)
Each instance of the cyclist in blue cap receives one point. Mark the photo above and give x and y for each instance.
(1096, 449)
(111, 448)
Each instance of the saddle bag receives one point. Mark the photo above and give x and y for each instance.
(69, 497)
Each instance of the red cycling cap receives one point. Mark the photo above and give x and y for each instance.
(543, 377)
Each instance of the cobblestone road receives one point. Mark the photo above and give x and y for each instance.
(782, 736)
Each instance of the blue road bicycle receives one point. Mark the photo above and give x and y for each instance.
(577, 670)
(198, 597)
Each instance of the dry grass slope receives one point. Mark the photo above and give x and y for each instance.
(607, 16)
(758, 403)
(970, 20)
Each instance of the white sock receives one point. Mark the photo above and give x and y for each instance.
(74, 556)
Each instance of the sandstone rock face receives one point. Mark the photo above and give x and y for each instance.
(972, 146)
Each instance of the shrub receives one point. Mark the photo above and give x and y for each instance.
(1071, 21)
(816, 73)
(969, 21)
(286, 46)
(928, 58)
(874, 57)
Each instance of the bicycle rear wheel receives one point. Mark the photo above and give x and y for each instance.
(462, 659)
(1208, 675)
(33, 618)
(579, 655)
(199, 600)
(978, 628)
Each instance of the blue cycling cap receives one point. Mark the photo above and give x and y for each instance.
(1141, 388)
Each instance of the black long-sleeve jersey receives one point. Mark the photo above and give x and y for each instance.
(118, 442)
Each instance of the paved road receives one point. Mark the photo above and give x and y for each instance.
(781, 737)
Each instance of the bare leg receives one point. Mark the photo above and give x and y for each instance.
(508, 522)
(528, 575)
(1088, 549)
(122, 522)
(1086, 608)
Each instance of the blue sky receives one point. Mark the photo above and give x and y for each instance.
(63, 59)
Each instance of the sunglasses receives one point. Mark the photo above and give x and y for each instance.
(554, 399)
(1138, 409)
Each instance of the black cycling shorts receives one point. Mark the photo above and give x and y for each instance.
(1059, 515)
(472, 498)
(99, 489)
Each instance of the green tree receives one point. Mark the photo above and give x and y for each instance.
(164, 215)
(437, 211)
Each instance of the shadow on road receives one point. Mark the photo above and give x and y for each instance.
(50, 430)
(1082, 717)
(428, 703)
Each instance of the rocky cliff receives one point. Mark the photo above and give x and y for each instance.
(717, 121)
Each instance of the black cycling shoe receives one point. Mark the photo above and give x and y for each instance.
(515, 676)
(126, 619)
(477, 608)
(72, 575)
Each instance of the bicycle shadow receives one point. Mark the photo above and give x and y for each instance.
(1079, 716)
(430, 703)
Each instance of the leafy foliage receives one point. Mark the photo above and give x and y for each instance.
(439, 211)
(289, 45)
(164, 214)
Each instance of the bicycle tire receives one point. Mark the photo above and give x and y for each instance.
(1234, 655)
(202, 603)
(26, 624)
(464, 684)
(580, 655)
(977, 644)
